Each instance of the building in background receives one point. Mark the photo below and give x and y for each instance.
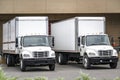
(62, 9)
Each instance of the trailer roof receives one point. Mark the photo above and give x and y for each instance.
(90, 18)
(32, 18)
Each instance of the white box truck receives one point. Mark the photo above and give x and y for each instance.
(83, 39)
(26, 41)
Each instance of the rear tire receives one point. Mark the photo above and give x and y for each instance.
(52, 67)
(10, 61)
(62, 59)
(113, 65)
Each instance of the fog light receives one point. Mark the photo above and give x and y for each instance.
(101, 61)
(91, 53)
(110, 60)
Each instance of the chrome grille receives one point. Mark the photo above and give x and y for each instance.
(40, 54)
(105, 53)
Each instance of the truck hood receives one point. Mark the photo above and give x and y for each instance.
(38, 48)
(100, 47)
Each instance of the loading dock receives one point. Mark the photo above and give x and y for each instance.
(63, 9)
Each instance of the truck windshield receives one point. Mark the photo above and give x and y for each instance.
(29, 41)
(97, 40)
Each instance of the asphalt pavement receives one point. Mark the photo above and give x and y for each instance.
(71, 71)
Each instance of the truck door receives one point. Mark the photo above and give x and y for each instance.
(82, 46)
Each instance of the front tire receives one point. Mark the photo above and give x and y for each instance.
(113, 65)
(52, 67)
(86, 62)
(22, 65)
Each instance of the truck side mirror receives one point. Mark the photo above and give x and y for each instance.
(83, 40)
(21, 40)
(79, 41)
(16, 45)
(53, 41)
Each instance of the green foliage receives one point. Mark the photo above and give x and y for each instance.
(28, 79)
(60, 79)
(41, 78)
(14, 78)
(3, 76)
(118, 78)
(84, 76)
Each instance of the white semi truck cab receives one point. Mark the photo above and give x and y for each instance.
(96, 49)
(26, 41)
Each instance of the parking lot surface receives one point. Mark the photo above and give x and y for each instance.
(68, 72)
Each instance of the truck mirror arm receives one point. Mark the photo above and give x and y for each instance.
(16, 45)
(53, 41)
(20, 47)
(82, 46)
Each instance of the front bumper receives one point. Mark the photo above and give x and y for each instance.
(39, 61)
(103, 60)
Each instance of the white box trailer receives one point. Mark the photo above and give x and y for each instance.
(74, 39)
(22, 26)
(26, 40)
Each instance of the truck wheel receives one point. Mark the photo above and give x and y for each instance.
(86, 62)
(52, 67)
(22, 65)
(113, 65)
(62, 59)
(10, 60)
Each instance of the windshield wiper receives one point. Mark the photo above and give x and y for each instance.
(31, 45)
(93, 44)
(103, 43)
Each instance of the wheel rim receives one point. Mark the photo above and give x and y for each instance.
(21, 64)
(7, 61)
(85, 62)
(59, 59)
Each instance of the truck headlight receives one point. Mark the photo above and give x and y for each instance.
(115, 53)
(53, 54)
(91, 54)
(26, 55)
